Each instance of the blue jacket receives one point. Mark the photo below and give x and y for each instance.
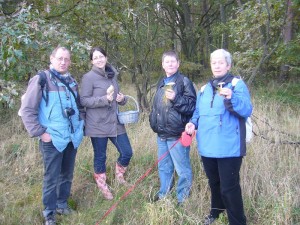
(39, 117)
(220, 122)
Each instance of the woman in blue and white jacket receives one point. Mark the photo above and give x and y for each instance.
(219, 118)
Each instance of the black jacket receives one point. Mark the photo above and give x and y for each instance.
(168, 118)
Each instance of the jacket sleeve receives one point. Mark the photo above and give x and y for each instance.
(86, 94)
(30, 108)
(80, 107)
(185, 103)
(118, 90)
(240, 103)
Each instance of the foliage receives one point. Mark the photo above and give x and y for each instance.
(136, 33)
(17, 37)
(255, 29)
(191, 69)
(8, 93)
(288, 54)
(26, 43)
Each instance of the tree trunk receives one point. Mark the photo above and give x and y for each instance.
(208, 38)
(187, 35)
(287, 37)
(223, 21)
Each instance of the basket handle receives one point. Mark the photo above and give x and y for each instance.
(136, 103)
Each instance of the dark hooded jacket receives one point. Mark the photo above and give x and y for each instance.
(168, 118)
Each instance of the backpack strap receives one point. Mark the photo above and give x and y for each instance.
(202, 89)
(234, 81)
(76, 97)
(44, 85)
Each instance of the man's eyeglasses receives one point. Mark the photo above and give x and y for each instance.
(63, 59)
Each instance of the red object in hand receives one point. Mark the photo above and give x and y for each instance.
(186, 139)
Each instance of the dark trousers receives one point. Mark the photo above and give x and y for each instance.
(58, 176)
(224, 181)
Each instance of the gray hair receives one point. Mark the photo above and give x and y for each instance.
(224, 53)
(53, 53)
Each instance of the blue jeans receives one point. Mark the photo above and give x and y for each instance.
(178, 158)
(58, 176)
(224, 181)
(100, 145)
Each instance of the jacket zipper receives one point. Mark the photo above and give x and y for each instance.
(212, 100)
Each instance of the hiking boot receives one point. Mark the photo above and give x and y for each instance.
(209, 219)
(64, 211)
(155, 198)
(102, 185)
(120, 171)
(50, 220)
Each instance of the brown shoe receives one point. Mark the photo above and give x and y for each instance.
(102, 185)
(120, 171)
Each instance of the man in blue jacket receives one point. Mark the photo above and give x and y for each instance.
(220, 115)
(52, 114)
(173, 106)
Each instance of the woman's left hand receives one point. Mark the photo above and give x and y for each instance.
(120, 97)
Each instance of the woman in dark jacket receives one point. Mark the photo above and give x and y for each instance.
(100, 95)
(172, 109)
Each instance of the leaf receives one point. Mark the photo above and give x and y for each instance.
(18, 53)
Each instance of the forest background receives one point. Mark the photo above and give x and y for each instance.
(264, 39)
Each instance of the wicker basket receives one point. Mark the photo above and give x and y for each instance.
(131, 116)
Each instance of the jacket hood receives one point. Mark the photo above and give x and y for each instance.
(109, 72)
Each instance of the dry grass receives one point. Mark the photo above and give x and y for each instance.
(269, 177)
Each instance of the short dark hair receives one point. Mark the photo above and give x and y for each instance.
(99, 49)
(172, 53)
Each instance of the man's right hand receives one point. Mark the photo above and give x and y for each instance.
(45, 137)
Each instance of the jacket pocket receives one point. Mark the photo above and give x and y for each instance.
(174, 119)
(210, 119)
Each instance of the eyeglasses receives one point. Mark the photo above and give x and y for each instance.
(99, 57)
(61, 59)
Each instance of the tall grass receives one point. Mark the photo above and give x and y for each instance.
(270, 176)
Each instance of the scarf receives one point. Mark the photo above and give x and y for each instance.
(215, 81)
(65, 77)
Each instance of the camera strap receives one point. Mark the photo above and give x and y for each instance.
(69, 88)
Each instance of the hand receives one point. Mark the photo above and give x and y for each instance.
(170, 94)
(120, 97)
(189, 128)
(226, 92)
(45, 137)
(110, 97)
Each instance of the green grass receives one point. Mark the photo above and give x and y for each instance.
(287, 93)
(269, 175)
